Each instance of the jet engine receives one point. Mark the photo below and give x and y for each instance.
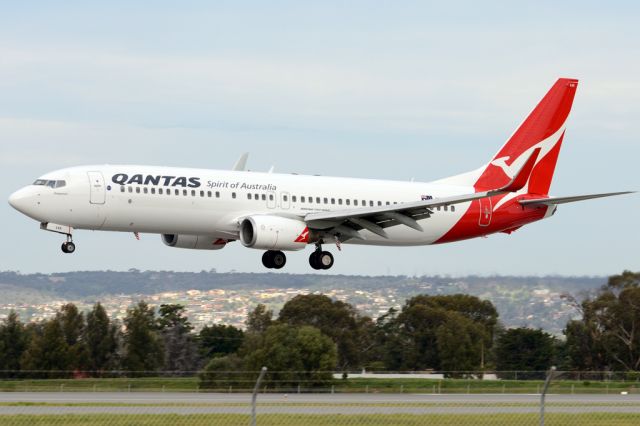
(274, 233)
(198, 242)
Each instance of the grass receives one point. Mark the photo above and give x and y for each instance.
(609, 419)
(191, 384)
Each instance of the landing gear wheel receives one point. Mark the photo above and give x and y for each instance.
(68, 247)
(278, 259)
(325, 260)
(313, 260)
(266, 260)
(321, 260)
(274, 259)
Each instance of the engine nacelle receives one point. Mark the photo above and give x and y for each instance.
(197, 242)
(274, 233)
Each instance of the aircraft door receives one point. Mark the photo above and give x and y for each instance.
(285, 201)
(486, 210)
(271, 200)
(97, 191)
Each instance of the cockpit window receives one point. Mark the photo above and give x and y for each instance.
(50, 183)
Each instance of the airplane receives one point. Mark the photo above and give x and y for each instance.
(208, 209)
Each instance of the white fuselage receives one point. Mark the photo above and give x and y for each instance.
(213, 202)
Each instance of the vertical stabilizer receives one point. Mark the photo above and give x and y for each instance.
(544, 129)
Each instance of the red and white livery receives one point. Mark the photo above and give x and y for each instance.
(207, 209)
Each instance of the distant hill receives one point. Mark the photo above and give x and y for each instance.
(530, 301)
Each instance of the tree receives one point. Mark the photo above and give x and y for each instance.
(180, 348)
(259, 319)
(73, 326)
(336, 319)
(608, 335)
(524, 349)
(459, 342)
(294, 355)
(416, 330)
(48, 352)
(13, 343)
(219, 340)
(143, 349)
(101, 337)
(226, 371)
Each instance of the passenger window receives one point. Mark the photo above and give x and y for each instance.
(209, 194)
(130, 189)
(146, 190)
(256, 197)
(333, 201)
(193, 192)
(122, 189)
(160, 191)
(248, 196)
(202, 193)
(302, 198)
(270, 197)
(446, 208)
(264, 197)
(137, 189)
(217, 194)
(340, 201)
(285, 198)
(185, 192)
(177, 192)
(233, 195)
(371, 203)
(348, 202)
(318, 200)
(310, 200)
(293, 198)
(438, 208)
(153, 190)
(453, 208)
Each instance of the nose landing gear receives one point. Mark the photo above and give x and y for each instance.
(68, 246)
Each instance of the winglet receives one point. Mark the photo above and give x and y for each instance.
(520, 179)
(241, 164)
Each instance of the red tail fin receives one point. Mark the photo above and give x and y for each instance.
(544, 128)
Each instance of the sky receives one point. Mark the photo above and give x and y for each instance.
(390, 90)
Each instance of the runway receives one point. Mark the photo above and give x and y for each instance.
(215, 403)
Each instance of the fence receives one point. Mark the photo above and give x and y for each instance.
(394, 401)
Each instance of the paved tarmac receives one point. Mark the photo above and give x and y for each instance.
(211, 403)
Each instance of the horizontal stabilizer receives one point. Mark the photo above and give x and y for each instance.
(563, 200)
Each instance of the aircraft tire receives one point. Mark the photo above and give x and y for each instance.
(278, 259)
(313, 260)
(267, 259)
(325, 260)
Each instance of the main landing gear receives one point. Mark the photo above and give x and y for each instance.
(320, 259)
(274, 259)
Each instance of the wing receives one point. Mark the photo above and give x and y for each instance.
(563, 200)
(347, 223)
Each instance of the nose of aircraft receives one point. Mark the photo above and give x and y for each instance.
(21, 200)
